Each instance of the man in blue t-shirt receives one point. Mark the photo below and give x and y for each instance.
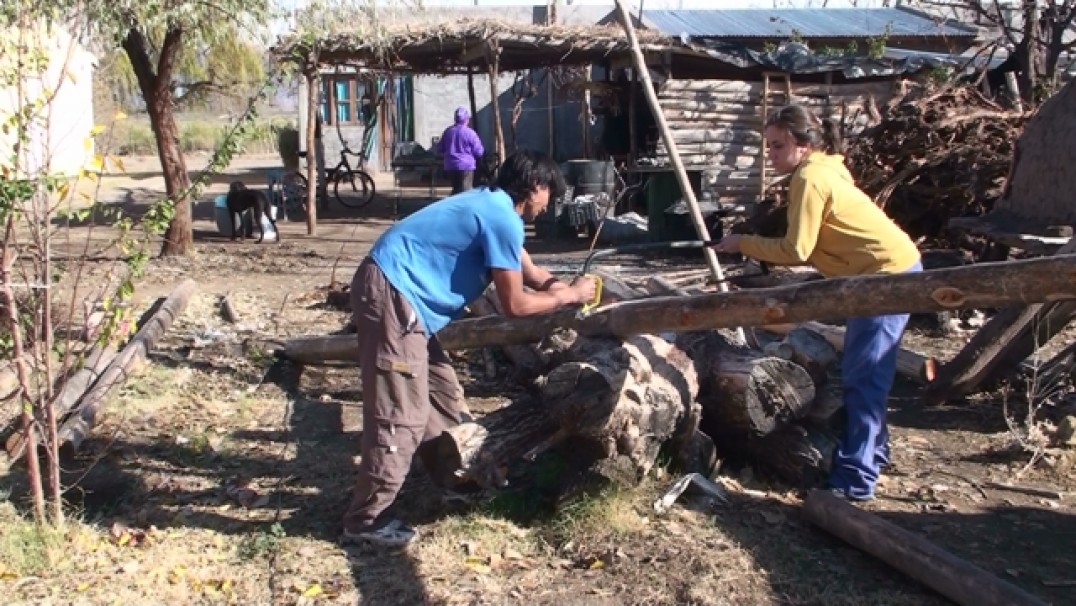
(419, 276)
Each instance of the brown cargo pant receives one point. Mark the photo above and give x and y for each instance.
(410, 394)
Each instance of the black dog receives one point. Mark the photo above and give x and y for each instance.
(240, 199)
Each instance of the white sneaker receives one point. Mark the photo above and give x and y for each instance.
(393, 534)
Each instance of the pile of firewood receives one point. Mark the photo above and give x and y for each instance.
(936, 154)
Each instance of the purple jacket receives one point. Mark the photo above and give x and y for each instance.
(461, 147)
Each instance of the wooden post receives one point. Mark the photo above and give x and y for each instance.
(674, 153)
(494, 74)
(762, 148)
(312, 93)
(633, 115)
(471, 94)
(954, 578)
(586, 111)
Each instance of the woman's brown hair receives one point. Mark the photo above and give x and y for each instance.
(807, 129)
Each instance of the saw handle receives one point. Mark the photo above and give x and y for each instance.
(597, 300)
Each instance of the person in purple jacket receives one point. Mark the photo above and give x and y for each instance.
(462, 149)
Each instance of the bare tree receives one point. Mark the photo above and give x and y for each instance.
(1038, 34)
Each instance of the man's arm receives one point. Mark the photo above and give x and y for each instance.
(552, 293)
(539, 278)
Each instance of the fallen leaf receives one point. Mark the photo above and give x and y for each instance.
(177, 574)
(477, 564)
(313, 591)
(83, 586)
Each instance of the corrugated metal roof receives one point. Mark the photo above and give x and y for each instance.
(807, 23)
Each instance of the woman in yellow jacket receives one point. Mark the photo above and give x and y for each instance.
(835, 227)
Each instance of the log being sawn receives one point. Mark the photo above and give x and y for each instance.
(982, 285)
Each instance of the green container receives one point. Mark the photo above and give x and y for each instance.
(662, 191)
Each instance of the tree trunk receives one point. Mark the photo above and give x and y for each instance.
(157, 92)
(1039, 191)
(982, 285)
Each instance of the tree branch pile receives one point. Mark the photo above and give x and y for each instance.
(936, 154)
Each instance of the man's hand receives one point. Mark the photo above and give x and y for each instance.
(728, 244)
(584, 287)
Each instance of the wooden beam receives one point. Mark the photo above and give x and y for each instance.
(952, 577)
(674, 155)
(969, 287)
(313, 91)
(482, 51)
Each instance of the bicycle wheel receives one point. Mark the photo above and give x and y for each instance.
(293, 185)
(354, 189)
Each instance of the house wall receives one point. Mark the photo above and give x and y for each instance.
(436, 99)
(717, 124)
(59, 145)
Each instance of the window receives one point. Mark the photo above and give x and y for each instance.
(342, 98)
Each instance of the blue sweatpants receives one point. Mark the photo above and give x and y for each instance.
(868, 367)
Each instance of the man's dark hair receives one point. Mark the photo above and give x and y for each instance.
(525, 170)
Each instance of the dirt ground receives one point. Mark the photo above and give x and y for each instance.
(220, 478)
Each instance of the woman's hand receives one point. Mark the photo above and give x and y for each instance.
(728, 244)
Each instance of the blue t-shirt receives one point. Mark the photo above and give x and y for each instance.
(440, 257)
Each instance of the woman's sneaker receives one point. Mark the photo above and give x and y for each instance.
(393, 534)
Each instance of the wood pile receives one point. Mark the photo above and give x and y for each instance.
(936, 154)
(652, 371)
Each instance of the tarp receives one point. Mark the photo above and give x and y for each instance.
(797, 58)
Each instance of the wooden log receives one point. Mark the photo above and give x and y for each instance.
(700, 149)
(71, 391)
(912, 365)
(731, 134)
(952, 577)
(744, 393)
(481, 451)
(1003, 342)
(970, 287)
(811, 351)
(611, 399)
(999, 346)
(798, 88)
(77, 427)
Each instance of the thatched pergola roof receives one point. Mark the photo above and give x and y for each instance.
(454, 46)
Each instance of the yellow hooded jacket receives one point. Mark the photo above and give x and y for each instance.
(834, 226)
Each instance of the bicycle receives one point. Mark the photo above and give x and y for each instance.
(361, 183)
